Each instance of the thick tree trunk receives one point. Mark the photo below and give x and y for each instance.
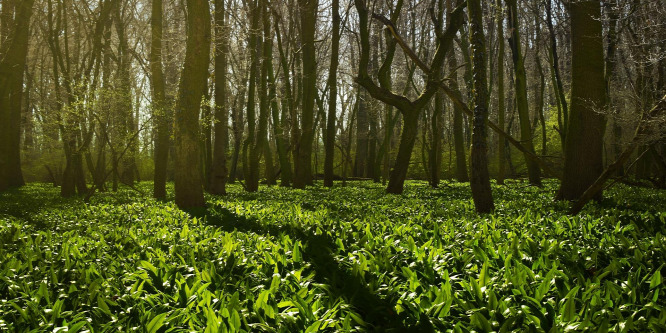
(533, 171)
(218, 175)
(308, 11)
(584, 139)
(12, 66)
(480, 179)
(193, 81)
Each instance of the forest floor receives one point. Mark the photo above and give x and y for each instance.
(344, 259)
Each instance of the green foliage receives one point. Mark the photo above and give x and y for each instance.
(325, 260)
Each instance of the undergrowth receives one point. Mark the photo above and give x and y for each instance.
(347, 259)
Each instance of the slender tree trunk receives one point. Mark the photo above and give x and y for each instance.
(193, 81)
(501, 109)
(584, 139)
(329, 145)
(251, 162)
(480, 179)
(533, 171)
(159, 102)
(555, 62)
(218, 175)
(458, 134)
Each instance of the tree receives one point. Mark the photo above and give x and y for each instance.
(193, 82)
(333, 94)
(585, 132)
(501, 143)
(13, 52)
(160, 113)
(409, 109)
(480, 179)
(308, 11)
(533, 172)
(219, 171)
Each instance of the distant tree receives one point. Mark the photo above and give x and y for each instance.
(193, 83)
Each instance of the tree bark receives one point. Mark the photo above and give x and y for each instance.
(501, 108)
(584, 139)
(193, 82)
(160, 118)
(533, 171)
(218, 175)
(308, 11)
(329, 145)
(480, 179)
(12, 66)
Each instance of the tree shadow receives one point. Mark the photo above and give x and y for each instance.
(376, 311)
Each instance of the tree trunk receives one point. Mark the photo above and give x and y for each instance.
(480, 179)
(399, 171)
(193, 81)
(558, 87)
(12, 66)
(308, 11)
(160, 118)
(458, 134)
(329, 145)
(584, 139)
(501, 142)
(218, 175)
(533, 171)
(251, 163)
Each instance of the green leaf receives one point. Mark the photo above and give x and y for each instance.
(655, 281)
(156, 323)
